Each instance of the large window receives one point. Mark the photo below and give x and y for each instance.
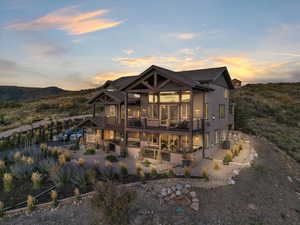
(169, 97)
(221, 111)
(185, 111)
(185, 143)
(153, 98)
(153, 111)
(110, 110)
(197, 142)
(169, 142)
(153, 139)
(185, 96)
(133, 112)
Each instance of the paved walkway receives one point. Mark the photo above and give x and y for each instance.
(38, 124)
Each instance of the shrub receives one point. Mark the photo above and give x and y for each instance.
(61, 176)
(7, 182)
(147, 163)
(22, 171)
(46, 165)
(171, 172)
(153, 172)
(2, 167)
(30, 203)
(77, 193)
(62, 159)
(205, 174)
(111, 158)
(90, 152)
(1, 209)
(123, 170)
(187, 172)
(17, 156)
(228, 158)
(91, 175)
(216, 165)
(114, 202)
(36, 179)
(29, 161)
(138, 170)
(67, 155)
(81, 161)
(54, 198)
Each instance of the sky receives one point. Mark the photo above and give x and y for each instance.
(79, 44)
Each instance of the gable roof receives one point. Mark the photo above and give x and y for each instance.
(122, 81)
(191, 78)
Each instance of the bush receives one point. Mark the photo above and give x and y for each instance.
(22, 170)
(147, 163)
(171, 172)
(216, 165)
(187, 172)
(153, 172)
(54, 198)
(228, 158)
(90, 152)
(111, 158)
(1, 209)
(7, 182)
(30, 203)
(77, 193)
(114, 202)
(91, 176)
(205, 174)
(123, 171)
(36, 179)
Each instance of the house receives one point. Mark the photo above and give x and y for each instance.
(237, 83)
(162, 115)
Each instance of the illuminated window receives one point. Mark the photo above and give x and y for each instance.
(206, 111)
(152, 98)
(185, 111)
(221, 111)
(153, 111)
(169, 97)
(133, 112)
(110, 110)
(185, 96)
(153, 139)
(197, 142)
(108, 135)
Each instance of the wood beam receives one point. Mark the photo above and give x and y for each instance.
(164, 83)
(147, 85)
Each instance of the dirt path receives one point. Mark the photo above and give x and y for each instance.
(264, 194)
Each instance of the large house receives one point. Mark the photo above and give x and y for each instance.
(162, 115)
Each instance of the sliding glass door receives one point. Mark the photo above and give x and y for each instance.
(168, 114)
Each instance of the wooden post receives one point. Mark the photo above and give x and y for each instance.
(126, 122)
(191, 120)
(203, 128)
(94, 109)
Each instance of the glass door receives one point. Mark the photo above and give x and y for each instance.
(164, 115)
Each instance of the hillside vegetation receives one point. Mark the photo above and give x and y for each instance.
(271, 111)
(14, 93)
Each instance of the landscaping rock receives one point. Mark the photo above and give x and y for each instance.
(178, 193)
(193, 194)
(195, 206)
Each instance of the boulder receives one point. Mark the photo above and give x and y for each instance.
(195, 206)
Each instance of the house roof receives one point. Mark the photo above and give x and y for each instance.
(192, 78)
(118, 96)
(122, 81)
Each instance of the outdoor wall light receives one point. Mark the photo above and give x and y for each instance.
(213, 117)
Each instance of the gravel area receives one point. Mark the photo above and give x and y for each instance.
(268, 193)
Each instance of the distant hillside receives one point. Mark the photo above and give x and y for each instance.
(271, 111)
(14, 93)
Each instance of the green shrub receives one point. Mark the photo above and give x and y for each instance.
(90, 152)
(153, 172)
(91, 176)
(147, 163)
(111, 158)
(171, 172)
(228, 158)
(187, 172)
(123, 171)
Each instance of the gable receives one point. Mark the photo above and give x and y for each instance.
(153, 81)
(224, 80)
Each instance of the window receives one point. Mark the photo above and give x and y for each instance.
(110, 110)
(153, 111)
(169, 97)
(108, 135)
(185, 111)
(185, 96)
(133, 112)
(153, 139)
(206, 140)
(221, 111)
(185, 143)
(206, 111)
(197, 142)
(153, 98)
(226, 93)
(216, 136)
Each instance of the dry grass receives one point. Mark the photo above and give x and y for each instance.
(7, 182)
(30, 203)
(216, 165)
(36, 179)
(54, 196)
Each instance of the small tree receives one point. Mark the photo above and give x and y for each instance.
(228, 158)
(114, 202)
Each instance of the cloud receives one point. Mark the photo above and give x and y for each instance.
(128, 51)
(70, 20)
(187, 51)
(46, 50)
(100, 78)
(183, 36)
(136, 62)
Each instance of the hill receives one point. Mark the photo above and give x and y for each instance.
(271, 111)
(14, 93)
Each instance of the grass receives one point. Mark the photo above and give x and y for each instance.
(271, 111)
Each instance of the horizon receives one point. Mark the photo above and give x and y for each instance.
(77, 45)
